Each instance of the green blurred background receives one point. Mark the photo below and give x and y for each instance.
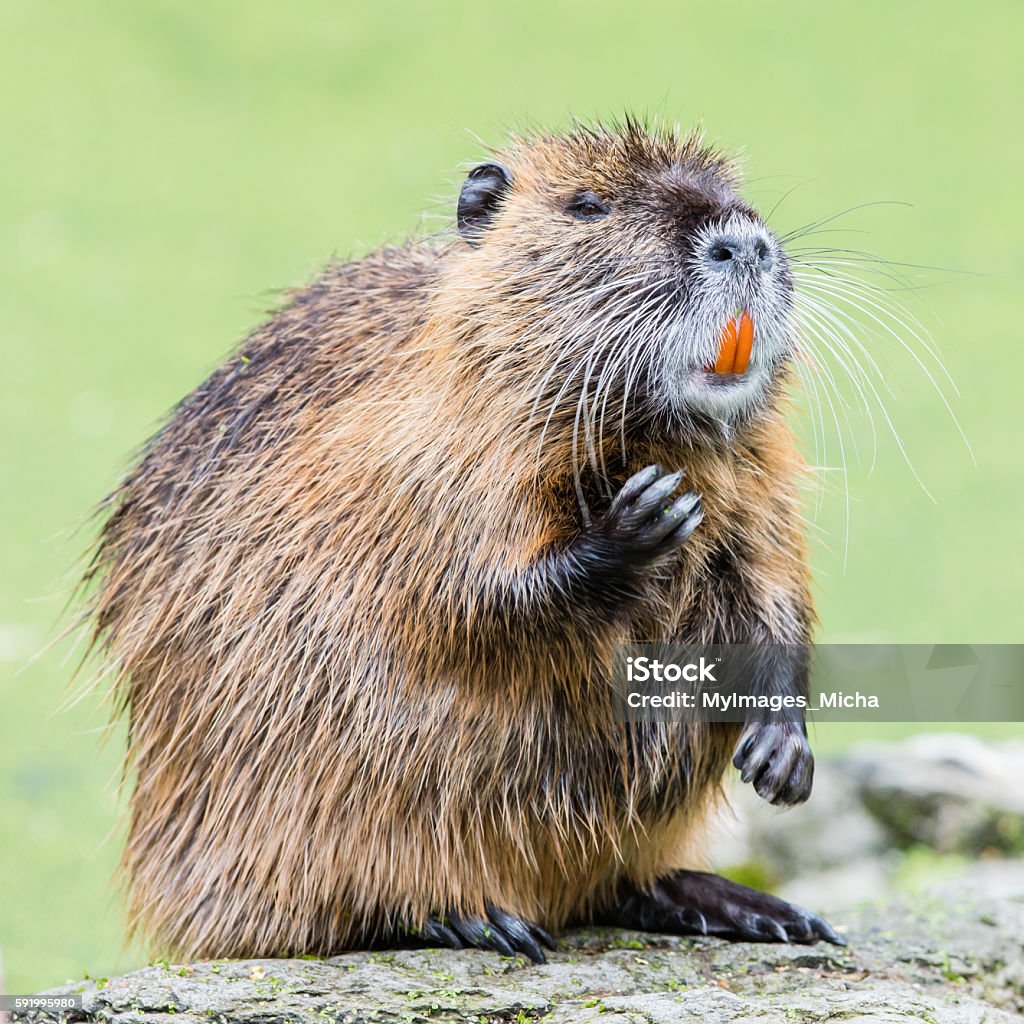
(167, 167)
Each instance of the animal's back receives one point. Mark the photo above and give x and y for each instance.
(223, 601)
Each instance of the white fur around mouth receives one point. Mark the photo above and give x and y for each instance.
(712, 378)
(722, 394)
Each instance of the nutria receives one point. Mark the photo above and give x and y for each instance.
(360, 594)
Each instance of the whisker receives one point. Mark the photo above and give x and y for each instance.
(869, 383)
(814, 225)
(815, 325)
(876, 312)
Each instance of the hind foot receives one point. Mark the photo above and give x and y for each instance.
(500, 931)
(698, 903)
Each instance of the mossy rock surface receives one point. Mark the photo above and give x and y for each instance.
(943, 958)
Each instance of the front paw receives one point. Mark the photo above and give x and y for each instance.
(777, 758)
(645, 522)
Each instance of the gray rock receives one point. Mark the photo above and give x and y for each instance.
(939, 960)
(951, 793)
(944, 946)
(832, 829)
(954, 793)
(840, 888)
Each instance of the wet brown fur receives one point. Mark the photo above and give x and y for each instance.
(335, 728)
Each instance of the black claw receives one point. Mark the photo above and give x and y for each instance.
(689, 523)
(436, 931)
(683, 506)
(798, 788)
(769, 926)
(766, 782)
(543, 937)
(528, 944)
(500, 932)
(635, 486)
(753, 928)
(694, 920)
(742, 751)
(482, 934)
(518, 934)
(825, 931)
(656, 494)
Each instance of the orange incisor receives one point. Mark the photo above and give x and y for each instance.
(735, 344)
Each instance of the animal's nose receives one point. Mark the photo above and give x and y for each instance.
(731, 251)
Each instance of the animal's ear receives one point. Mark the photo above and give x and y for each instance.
(481, 195)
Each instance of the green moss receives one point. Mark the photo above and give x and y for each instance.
(921, 867)
(756, 874)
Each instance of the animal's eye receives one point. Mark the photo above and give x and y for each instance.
(587, 206)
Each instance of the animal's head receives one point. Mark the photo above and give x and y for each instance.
(625, 264)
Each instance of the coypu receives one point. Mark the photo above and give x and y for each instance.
(360, 593)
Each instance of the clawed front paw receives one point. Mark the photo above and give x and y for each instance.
(777, 759)
(645, 521)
